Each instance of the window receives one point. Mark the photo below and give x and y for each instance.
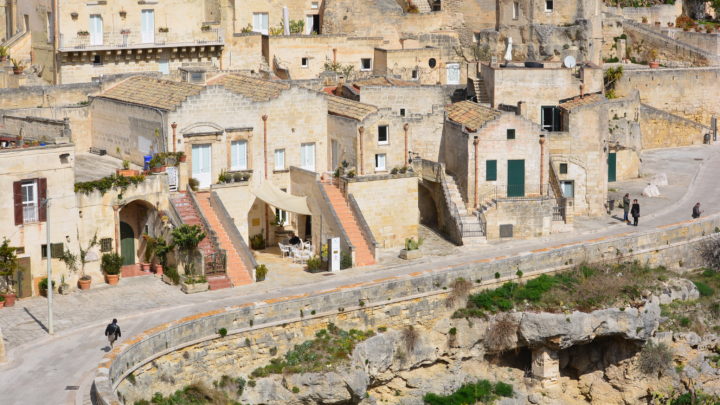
(96, 30)
(550, 117)
(164, 66)
(490, 170)
(147, 26)
(106, 245)
(380, 162)
(548, 5)
(261, 23)
(383, 138)
(511, 134)
(307, 156)
(476, 37)
(97, 60)
(568, 188)
(281, 217)
(197, 77)
(563, 168)
(453, 73)
(432, 63)
(238, 152)
(516, 10)
(56, 250)
(314, 5)
(50, 28)
(30, 201)
(279, 159)
(304, 62)
(365, 64)
(414, 74)
(402, 112)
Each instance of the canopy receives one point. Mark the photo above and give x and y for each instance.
(280, 199)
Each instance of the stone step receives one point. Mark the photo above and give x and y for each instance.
(474, 240)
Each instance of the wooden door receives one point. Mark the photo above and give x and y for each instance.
(127, 244)
(516, 178)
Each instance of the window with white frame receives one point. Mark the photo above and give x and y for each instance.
(383, 135)
(279, 159)
(314, 5)
(261, 23)
(281, 217)
(365, 64)
(30, 203)
(238, 152)
(380, 162)
(307, 156)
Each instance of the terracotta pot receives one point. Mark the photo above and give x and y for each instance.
(43, 292)
(112, 279)
(159, 269)
(126, 172)
(3, 58)
(182, 158)
(654, 65)
(2, 304)
(145, 266)
(17, 71)
(9, 299)
(157, 169)
(84, 284)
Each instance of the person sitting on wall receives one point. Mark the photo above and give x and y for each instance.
(294, 240)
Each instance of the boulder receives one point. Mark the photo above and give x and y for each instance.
(320, 388)
(651, 190)
(678, 289)
(659, 180)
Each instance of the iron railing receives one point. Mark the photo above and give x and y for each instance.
(135, 40)
(236, 238)
(515, 192)
(214, 262)
(560, 209)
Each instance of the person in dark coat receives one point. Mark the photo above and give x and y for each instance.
(112, 331)
(635, 212)
(626, 208)
(696, 211)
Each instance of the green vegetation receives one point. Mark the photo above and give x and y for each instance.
(187, 238)
(584, 288)
(111, 263)
(482, 391)
(610, 78)
(222, 332)
(412, 244)
(331, 346)
(704, 289)
(314, 264)
(261, 272)
(655, 358)
(108, 183)
(345, 260)
(701, 315)
(195, 394)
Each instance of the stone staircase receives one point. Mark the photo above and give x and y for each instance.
(423, 6)
(481, 91)
(363, 255)
(236, 271)
(188, 215)
(472, 230)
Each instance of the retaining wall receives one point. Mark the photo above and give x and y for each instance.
(191, 347)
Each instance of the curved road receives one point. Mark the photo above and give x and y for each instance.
(40, 372)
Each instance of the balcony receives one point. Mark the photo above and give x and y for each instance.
(134, 40)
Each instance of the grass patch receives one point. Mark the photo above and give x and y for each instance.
(482, 391)
(195, 394)
(330, 347)
(701, 315)
(584, 288)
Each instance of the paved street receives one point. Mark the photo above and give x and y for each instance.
(41, 367)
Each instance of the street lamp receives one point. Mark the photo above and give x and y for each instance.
(48, 252)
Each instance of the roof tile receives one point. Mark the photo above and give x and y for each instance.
(471, 115)
(144, 90)
(250, 87)
(349, 108)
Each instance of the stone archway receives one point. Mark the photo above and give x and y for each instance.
(136, 218)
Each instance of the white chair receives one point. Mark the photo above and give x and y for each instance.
(284, 249)
(295, 253)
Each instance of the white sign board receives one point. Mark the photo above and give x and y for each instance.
(334, 244)
(172, 177)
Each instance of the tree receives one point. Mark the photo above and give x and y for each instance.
(8, 264)
(83, 253)
(187, 238)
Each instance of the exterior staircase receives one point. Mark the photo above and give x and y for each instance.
(236, 271)
(363, 255)
(473, 232)
(423, 6)
(481, 91)
(189, 215)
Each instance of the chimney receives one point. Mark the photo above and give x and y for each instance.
(334, 55)
(520, 108)
(582, 90)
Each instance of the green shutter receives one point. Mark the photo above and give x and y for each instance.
(516, 178)
(490, 170)
(612, 167)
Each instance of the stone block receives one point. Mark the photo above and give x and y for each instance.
(545, 363)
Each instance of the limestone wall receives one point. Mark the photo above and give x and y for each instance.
(238, 200)
(641, 39)
(79, 118)
(84, 70)
(415, 64)
(664, 13)
(243, 51)
(413, 99)
(708, 42)
(344, 131)
(664, 130)
(172, 355)
(389, 205)
(692, 93)
(34, 127)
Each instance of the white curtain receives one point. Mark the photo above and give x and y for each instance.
(239, 155)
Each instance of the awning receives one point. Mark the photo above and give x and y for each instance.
(280, 199)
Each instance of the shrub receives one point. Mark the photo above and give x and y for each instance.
(503, 389)
(412, 244)
(460, 290)
(482, 391)
(257, 241)
(501, 333)
(194, 183)
(655, 358)
(497, 274)
(685, 322)
(295, 390)
(519, 273)
(704, 289)
(261, 272)
(314, 264)
(410, 337)
(453, 331)
(345, 260)
(111, 263)
(222, 332)
(172, 274)
(43, 284)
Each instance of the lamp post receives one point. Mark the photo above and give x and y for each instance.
(48, 252)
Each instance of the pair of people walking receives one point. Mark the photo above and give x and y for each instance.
(633, 210)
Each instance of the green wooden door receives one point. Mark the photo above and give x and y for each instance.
(127, 244)
(516, 178)
(612, 166)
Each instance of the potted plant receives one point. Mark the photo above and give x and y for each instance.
(4, 53)
(18, 66)
(194, 184)
(111, 263)
(123, 14)
(150, 243)
(261, 272)
(74, 15)
(8, 266)
(126, 171)
(85, 280)
(238, 177)
(412, 249)
(162, 248)
(205, 28)
(257, 241)
(157, 164)
(164, 30)
(2, 301)
(43, 286)
(652, 58)
(64, 288)
(83, 33)
(181, 156)
(186, 239)
(224, 177)
(125, 31)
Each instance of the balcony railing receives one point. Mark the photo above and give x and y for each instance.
(30, 213)
(135, 40)
(514, 192)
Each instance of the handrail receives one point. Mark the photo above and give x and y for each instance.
(214, 259)
(364, 227)
(557, 191)
(236, 238)
(438, 175)
(335, 217)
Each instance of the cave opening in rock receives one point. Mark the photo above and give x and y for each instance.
(596, 355)
(519, 358)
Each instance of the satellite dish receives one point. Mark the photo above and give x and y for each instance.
(569, 61)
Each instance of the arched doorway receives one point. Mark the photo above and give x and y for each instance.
(127, 243)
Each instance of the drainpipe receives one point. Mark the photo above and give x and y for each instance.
(476, 142)
(405, 128)
(582, 90)
(174, 128)
(542, 162)
(361, 130)
(56, 41)
(264, 118)
(334, 55)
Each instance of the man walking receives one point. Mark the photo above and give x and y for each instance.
(112, 332)
(635, 212)
(626, 208)
(696, 211)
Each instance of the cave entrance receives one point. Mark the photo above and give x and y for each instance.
(519, 358)
(596, 355)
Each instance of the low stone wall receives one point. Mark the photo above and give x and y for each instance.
(170, 355)
(2, 347)
(661, 129)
